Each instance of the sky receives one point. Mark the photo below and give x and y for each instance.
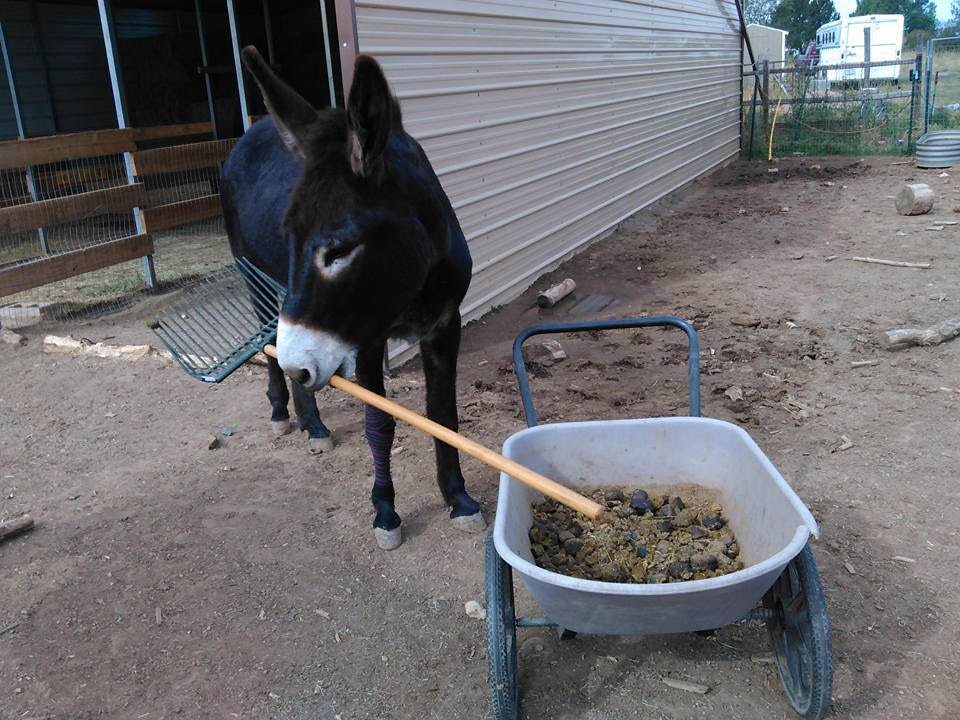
(845, 7)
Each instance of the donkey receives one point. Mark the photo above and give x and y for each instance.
(344, 209)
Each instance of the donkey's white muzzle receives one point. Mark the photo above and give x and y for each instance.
(312, 357)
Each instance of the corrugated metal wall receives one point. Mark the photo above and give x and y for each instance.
(549, 122)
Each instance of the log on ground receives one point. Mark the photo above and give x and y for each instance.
(915, 199)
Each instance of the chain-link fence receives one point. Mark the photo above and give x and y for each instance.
(856, 109)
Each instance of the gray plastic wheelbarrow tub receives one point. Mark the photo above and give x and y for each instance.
(770, 522)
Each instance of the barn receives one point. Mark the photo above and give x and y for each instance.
(548, 122)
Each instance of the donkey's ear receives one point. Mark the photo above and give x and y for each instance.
(372, 112)
(292, 115)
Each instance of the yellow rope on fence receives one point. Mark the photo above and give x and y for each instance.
(773, 126)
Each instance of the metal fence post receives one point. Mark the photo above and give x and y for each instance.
(327, 54)
(915, 84)
(766, 94)
(120, 104)
(237, 65)
(926, 95)
(866, 54)
(206, 75)
(15, 100)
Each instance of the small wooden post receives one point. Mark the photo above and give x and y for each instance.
(765, 92)
(866, 54)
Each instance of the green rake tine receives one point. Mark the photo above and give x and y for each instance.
(240, 311)
(185, 332)
(174, 344)
(218, 321)
(260, 294)
(265, 298)
(182, 339)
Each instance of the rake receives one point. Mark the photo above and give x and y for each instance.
(228, 318)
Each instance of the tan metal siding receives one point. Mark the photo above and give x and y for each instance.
(549, 122)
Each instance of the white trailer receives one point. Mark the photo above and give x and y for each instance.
(841, 42)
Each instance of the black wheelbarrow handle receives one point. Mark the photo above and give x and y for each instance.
(693, 360)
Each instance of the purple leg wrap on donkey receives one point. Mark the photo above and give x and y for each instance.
(379, 428)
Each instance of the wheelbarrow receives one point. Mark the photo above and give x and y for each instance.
(779, 585)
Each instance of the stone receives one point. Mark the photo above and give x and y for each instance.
(665, 511)
(475, 610)
(685, 518)
(712, 522)
(679, 570)
(665, 525)
(572, 546)
(697, 532)
(611, 572)
(704, 561)
(641, 551)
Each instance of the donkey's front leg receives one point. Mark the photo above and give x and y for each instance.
(379, 428)
(439, 352)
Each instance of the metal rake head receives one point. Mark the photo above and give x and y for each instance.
(222, 322)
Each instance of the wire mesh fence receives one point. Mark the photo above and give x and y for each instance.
(856, 109)
(942, 84)
(85, 218)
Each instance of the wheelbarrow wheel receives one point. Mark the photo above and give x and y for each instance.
(799, 632)
(501, 635)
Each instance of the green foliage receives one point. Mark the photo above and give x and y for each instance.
(759, 11)
(917, 14)
(801, 18)
(952, 26)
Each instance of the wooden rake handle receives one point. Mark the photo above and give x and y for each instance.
(545, 485)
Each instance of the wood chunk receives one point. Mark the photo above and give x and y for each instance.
(9, 528)
(933, 335)
(893, 263)
(553, 295)
(688, 686)
(915, 199)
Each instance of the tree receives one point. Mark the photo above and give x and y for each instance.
(801, 18)
(759, 11)
(917, 14)
(952, 26)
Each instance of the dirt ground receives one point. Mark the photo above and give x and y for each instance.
(165, 579)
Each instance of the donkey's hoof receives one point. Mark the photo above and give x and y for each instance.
(470, 523)
(320, 445)
(388, 539)
(281, 427)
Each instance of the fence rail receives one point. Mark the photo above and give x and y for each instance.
(82, 202)
(833, 109)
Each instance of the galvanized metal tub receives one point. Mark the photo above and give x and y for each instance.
(938, 149)
(771, 523)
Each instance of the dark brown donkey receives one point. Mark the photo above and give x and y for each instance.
(344, 209)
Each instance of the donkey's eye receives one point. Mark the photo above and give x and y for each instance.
(336, 253)
(332, 260)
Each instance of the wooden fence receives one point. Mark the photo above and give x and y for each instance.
(84, 190)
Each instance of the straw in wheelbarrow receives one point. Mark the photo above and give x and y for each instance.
(225, 321)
